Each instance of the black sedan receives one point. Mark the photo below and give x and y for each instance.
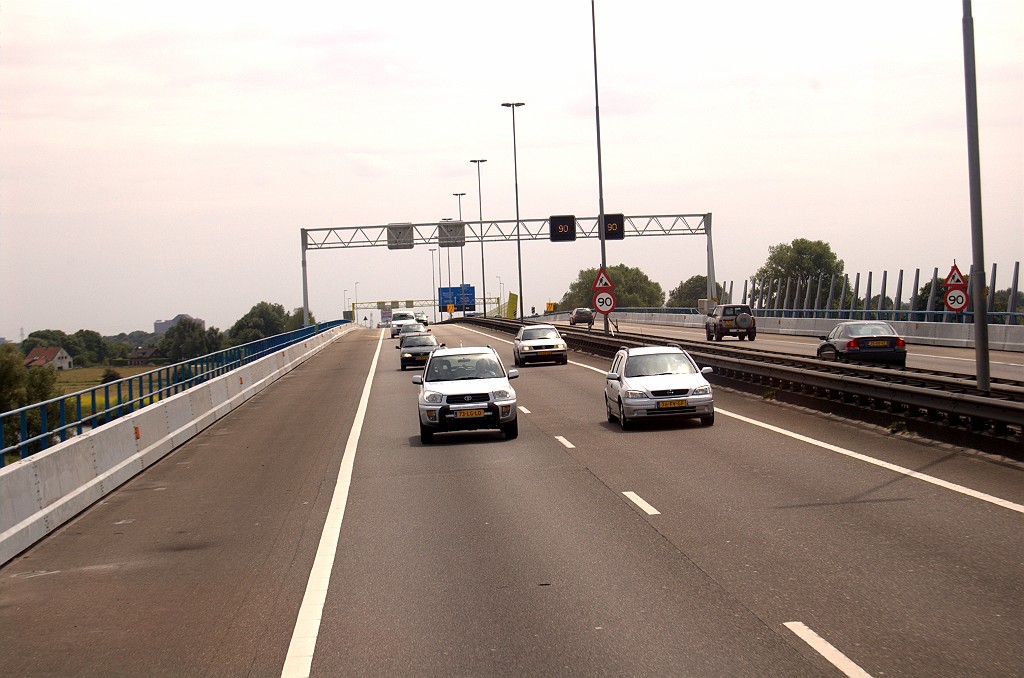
(415, 349)
(864, 340)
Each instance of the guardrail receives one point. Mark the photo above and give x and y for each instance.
(912, 396)
(36, 427)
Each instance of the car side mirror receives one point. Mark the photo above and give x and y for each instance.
(612, 376)
(418, 379)
(706, 370)
(513, 374)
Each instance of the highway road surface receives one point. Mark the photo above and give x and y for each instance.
(310, 532)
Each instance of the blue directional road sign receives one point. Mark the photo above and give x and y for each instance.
(463, 298)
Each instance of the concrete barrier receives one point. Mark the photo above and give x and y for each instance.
(44, 491)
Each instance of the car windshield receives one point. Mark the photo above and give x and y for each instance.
(466, 366)
(658, 363)
(544, 333)
(402, 316)
(425, 340)
(872, 330)
(412, 327)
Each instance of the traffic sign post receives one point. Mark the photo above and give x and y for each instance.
(956, 299)
(604, 302)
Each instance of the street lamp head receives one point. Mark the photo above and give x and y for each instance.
(459, 194)
(516, 104)
(479, 161)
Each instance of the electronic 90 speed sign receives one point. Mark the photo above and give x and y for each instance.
(604, 302)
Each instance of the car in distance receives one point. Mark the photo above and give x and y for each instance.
(466, 389)
(415, 349)
(866, 341)
(399, 318)
(421, 317)
(412, 328)
(650, 382)
(730, 320)
(536, 343)
(581, 316)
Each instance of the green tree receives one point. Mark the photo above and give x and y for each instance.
(109, 375)
(187, 339)
(802, 258)
(263, 320)
(46, 338)
(632, 289)
(294, 320)
(20, 386)
(95, 350)
(689, 291)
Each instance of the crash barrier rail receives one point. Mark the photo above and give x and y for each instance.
(44, 491)
(36, 427)
(961, 335)
(938, 398)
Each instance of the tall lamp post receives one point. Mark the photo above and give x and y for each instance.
(515, 165)
(600, 179)
(462, 260)
(479, 202)
(355, 302)
(501, 292)
(433, 287)
(344, 302)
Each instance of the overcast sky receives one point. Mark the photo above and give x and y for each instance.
(161, 158)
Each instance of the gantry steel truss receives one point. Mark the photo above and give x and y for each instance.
(509, 230)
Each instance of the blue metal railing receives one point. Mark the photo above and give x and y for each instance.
(96, 406)
(994, 317)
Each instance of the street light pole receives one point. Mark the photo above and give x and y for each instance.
(501, 293)
(462, 260)
(479, 202)
(515, 165)
(433, 287)
(355, 302)
(344, 302)
(600, 178)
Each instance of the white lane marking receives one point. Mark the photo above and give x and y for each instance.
(307, 626)
(827, 650)
(878, 462)
(524, 410)
(644, 506)
(862, 457)
(565, 442)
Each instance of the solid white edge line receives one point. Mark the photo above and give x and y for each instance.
(565, 442)
(827, 650)
(299, 659)
(644, 506)
(862, 457)
(878, 462)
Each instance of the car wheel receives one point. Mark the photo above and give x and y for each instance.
(623, 422)
(608, 409)
(515, 359)
(751, 334)
(708, 420)
(426, 435)
(708, 334)
(511, 430)
(565, 360)
(403, 368)
(718, 335)
(741, 337)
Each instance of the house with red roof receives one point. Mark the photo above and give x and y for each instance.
(54, 356)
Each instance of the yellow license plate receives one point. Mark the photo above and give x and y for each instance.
(665, 404)
(727, 323)
(543, 352)
(420, 357)
(463, 414)
(878, 343)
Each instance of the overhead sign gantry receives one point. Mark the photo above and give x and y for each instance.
(457, 233)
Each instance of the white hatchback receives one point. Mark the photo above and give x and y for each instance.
(657, 381)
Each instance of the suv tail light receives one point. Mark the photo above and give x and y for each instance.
(852, 343)
(900, 343)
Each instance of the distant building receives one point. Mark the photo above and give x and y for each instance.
(144, 356)
(161, 326)
(54, 356)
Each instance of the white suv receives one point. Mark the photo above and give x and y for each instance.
(399, 318)
(657, 381)
(465, 389)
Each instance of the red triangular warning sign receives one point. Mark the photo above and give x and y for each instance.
(602, 282)
(955, 278)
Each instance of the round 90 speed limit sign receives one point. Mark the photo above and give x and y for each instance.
(956, 299)
(604, 302)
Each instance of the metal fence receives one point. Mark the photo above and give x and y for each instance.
(840, 297)
(36, 427)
